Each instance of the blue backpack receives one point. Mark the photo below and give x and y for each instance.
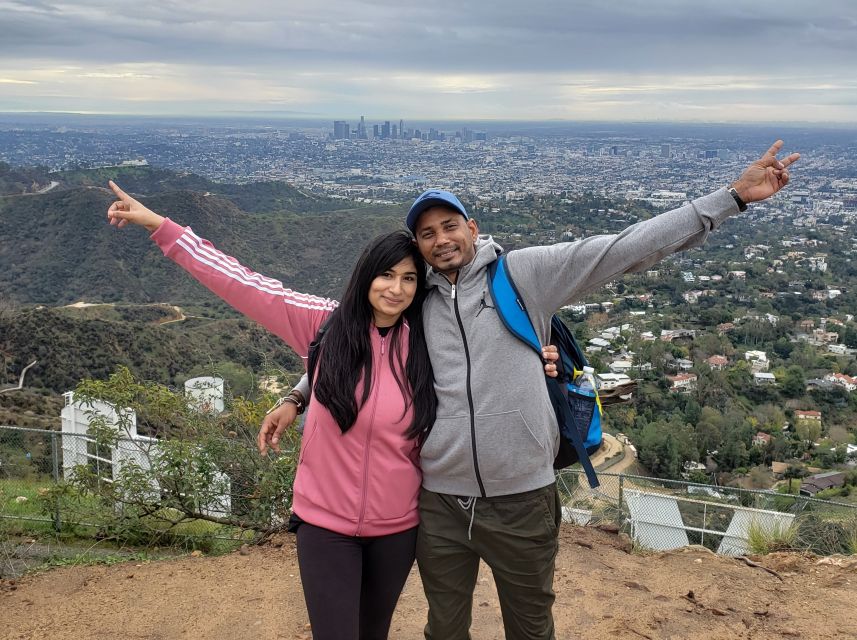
(577, 414)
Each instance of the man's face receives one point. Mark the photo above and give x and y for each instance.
(445, 239)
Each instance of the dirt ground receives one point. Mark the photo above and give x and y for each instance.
(603, 591)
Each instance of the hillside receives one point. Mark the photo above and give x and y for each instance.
(62, 250)
(603, 592)
(72, 344)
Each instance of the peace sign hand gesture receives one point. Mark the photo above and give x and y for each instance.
(765, 176)
(126, 209)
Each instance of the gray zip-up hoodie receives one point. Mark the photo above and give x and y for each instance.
(496, 432)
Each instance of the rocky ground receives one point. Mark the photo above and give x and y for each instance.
(604, 590)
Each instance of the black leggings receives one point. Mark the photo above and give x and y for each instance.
(351, 585)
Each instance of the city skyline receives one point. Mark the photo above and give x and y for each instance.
(630, 61)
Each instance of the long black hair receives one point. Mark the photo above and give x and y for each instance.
(344, 353)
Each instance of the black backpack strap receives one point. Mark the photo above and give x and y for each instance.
(569, 431)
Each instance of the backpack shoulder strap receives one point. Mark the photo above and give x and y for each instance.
(509, 304)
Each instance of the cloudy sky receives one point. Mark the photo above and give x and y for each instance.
(699, 60)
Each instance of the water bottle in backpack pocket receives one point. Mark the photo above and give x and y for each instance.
(586, 409)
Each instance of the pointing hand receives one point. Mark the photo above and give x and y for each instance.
(126, 209)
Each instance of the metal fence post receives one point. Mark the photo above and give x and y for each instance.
(56, 467)
(621, 487)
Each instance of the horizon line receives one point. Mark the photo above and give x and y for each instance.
(275, 115)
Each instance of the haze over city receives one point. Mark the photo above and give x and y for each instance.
(659, 60)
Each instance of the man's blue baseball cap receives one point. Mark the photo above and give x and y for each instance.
(433, 198)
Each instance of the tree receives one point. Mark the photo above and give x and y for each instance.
(792, 472)
(809, 431)
(793, 384)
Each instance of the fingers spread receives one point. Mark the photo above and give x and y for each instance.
(775, 148)
(793, 157)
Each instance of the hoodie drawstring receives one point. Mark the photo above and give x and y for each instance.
(468, 503)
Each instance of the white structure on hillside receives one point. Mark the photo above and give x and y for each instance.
(758, 360)
(80, 447)
(205, 393)
(611, 380)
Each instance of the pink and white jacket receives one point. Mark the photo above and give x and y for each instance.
(363, 482)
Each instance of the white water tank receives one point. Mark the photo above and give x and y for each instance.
(205, 393)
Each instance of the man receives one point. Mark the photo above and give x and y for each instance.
(488, 482)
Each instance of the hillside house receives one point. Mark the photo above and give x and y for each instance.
(807, 415)
(717, 362)
(840, 379)
(764, 379)
(597, 344)
(825, 337)
(621, 366)
(683, 364)
(761, 439)
(758, 360)
(611, 380)
(821, 482)
(725, 327)
(682, 382)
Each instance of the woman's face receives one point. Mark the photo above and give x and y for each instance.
(392, 291)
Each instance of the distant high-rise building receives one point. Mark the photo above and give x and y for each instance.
(376, 133)
(710, 153)
(341, 130)
(402, 128)
(385, 129)
(395, 134)
(665, 151)
(361, 129)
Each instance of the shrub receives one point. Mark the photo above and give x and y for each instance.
(826, 537)
(768, 538)
(200, 476)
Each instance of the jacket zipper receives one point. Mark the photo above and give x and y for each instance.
(367, 446)
(469, 396)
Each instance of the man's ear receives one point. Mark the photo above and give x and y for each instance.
(474, 228)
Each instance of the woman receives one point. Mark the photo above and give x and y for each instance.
(371, 405)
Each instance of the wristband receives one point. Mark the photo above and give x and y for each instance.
(742, 206)
(294, 398)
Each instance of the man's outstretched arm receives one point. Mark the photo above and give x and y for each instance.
(552, 276)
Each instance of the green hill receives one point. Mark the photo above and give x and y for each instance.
(58, 248)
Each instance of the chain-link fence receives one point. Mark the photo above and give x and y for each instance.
(34, 461)
(657, 513)
(30, 463)
(665, 514)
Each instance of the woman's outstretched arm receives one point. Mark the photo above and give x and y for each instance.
(294, 317)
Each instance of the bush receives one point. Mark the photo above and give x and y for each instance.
(202, 475)
(764, 539)
(826, 537)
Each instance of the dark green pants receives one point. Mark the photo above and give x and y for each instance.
(515, 535)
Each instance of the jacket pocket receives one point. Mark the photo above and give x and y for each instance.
(308, 436)
(447, 449)
(507, 447)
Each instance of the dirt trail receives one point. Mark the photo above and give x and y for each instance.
(602, 592)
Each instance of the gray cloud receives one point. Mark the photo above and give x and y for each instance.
(449, 36)
(341, 47)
